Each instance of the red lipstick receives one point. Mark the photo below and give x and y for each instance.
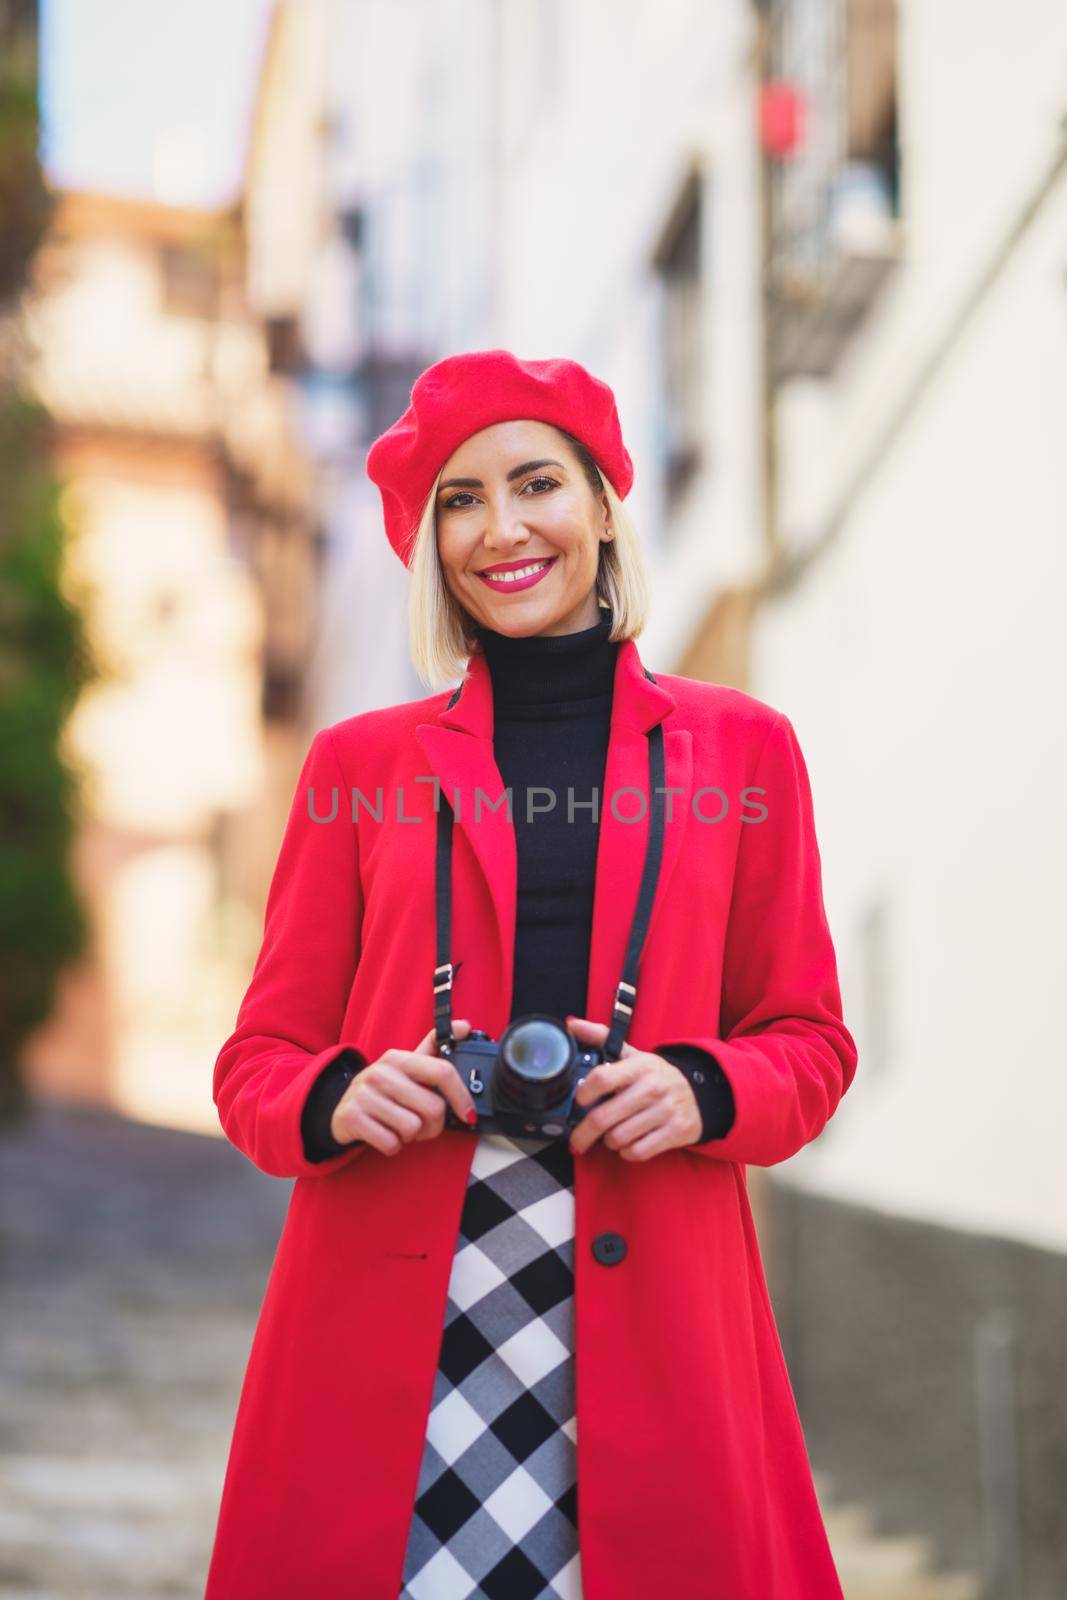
(511, 585)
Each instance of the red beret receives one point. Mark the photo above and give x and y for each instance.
(463, 394)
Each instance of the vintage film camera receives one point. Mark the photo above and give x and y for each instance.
(523, 1085)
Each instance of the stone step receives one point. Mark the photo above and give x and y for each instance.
(875, 1566)
(140, 1526)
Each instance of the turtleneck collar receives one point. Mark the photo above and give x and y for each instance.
(537, 669)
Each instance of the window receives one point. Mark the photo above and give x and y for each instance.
(550, 34)
(285, 352)
(834, 201)
(190, 282)
(287, 567)
(678, 262)
(387, 383)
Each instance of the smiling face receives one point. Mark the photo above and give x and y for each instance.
(511, 497)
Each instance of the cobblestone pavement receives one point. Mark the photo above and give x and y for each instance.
(133, 1262)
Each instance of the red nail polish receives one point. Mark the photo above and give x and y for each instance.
(472, 1116)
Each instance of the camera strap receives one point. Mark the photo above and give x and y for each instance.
(626, 990)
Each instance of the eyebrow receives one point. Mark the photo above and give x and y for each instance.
(516, 472)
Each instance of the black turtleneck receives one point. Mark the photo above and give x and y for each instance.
(552, 698)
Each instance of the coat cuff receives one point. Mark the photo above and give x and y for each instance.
(710, 1086)
(772, 1117)
(269, 1130)
(323, 1099)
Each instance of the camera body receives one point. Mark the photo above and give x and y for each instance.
(524, 1083)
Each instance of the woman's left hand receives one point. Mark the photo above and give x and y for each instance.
(651, 1105)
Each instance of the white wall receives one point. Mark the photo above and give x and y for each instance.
(520, 161)
(924, 657)
(596, 147)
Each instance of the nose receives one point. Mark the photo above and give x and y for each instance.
(504, 529)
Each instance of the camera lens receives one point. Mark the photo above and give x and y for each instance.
(535, 1069)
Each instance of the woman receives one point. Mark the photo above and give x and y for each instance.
(513, 1366)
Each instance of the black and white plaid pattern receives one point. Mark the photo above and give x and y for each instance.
(496, 1508)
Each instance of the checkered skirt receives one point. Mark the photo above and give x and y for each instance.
(496, 1505)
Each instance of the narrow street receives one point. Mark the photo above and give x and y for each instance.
(133, 1261)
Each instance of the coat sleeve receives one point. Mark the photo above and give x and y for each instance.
(711, 1088)
(325, 1096)
(783, 1045)
(289, 1023)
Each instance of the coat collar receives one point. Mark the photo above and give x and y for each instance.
(637, 703)
(457, 742)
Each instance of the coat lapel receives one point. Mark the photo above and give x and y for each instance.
(458, 746)
(638, 705)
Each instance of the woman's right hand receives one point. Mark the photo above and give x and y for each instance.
(398, 1098)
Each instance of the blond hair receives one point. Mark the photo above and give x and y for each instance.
(440, 631)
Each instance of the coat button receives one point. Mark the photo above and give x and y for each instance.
(609, 1248)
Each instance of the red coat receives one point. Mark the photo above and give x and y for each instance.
(693, 1476)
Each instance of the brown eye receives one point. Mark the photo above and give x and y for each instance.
(463, 494)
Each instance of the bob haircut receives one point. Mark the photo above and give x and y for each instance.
(440, 631)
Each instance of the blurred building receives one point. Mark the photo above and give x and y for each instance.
(910, 621)
(426, 178)
(331, 197)
(817, 248)
(193, 547)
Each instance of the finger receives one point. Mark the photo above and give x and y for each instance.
(587, 1026)
(395, 1084)
(451, 1085)
(603, 1117)
(434, 1076)
(645, 1119)
(458, 1095)
(596, 1033)
(427, 1045)
(586, 1131)
(378, 1137)
(433, 1124)
(652, 1144)
(605, 1078)
(377, 1121)
(587, 1032)
(638, 1096)
(437, 1073)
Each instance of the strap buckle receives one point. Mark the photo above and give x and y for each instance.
(620, 1004)
(446, 983)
